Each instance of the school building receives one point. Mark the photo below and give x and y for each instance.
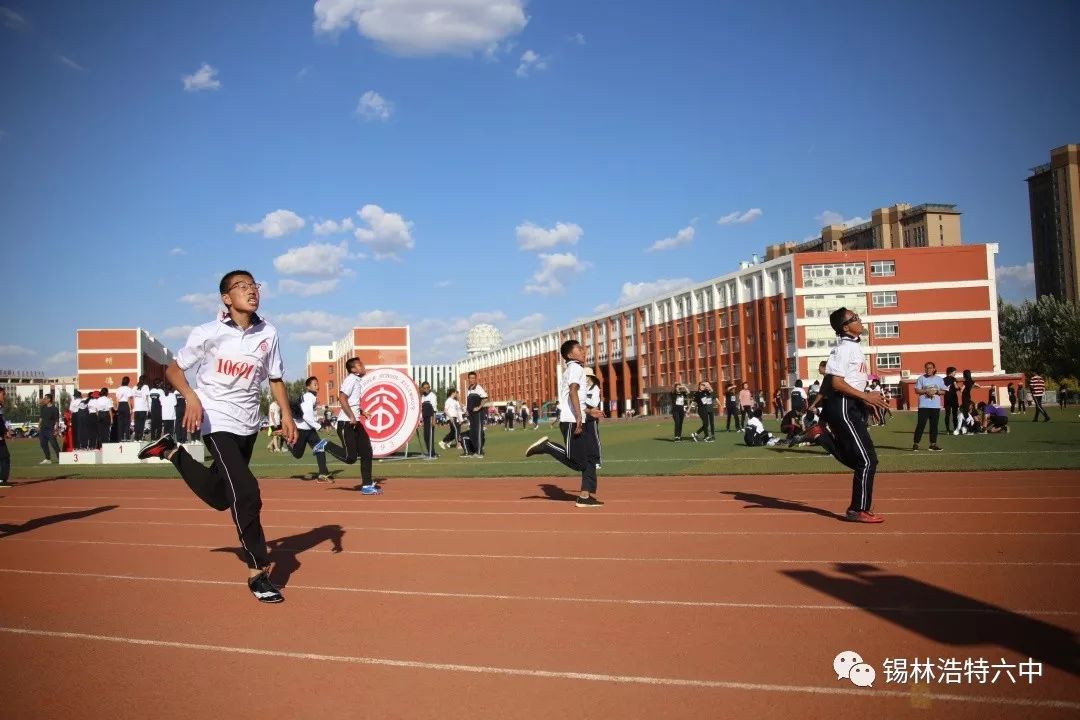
(104, 356)
(377, 347)
(921, 294)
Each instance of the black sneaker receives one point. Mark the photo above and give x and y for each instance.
(935, 448)
(586, 502)
(159, 448)
(5, 484)
(264, 590)
(537, 447)
(915, 447)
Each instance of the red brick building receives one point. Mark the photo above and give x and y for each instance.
(767, 324)
(104, 357)
(377, 347)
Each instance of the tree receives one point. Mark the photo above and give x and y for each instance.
(1042, 337)
(1016, 336)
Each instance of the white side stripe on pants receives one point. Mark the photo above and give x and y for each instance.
(858, 444)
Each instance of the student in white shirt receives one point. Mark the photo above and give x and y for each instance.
(307, 429)
(104, 407)
(476, 402)
(123, 396)
(354, 438)
(231, 356)
(141, 406)
(168, 410)
(847, 410)
(273, 416)
(593, 413)
(754, 433)
(575, 454)
(428, 402)
(454, 416)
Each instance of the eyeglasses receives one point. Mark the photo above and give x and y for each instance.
(853, 318)
(244, 286)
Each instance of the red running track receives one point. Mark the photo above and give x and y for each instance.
(684, 597)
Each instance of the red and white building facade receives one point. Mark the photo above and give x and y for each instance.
(767, 324)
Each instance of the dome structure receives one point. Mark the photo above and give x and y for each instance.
(482, 338)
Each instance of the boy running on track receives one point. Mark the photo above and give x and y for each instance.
(307, 429)
(350, 430)
(576, 453)
(231, 356)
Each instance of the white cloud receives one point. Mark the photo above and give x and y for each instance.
(308, 289)
(332, 227)
(635, 293)
(319, 259)
(424, 27)
(1023, 274)
(442, 284)
(436, 339)
(529, 61)
(13, 20)
(387, 233)
(320, 326)
(313, 337)
(64, 357)
(178, 251)
(554, 270)
(577, 39)
(373, 106)
(274, 225)
(203, 302)
(738, 218)
(683, 237)
(496, 50)
(532, 237)
(70, 63)
(205, 78)
(831, 217)
(15, 351)
(177, 332)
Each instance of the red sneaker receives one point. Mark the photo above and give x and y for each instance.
(159, 448)
(863, 516)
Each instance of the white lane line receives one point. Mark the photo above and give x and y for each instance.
(906, 609)
(599, 558)
(590, 531)
(531, 501)
(569, 512)
(546, 674)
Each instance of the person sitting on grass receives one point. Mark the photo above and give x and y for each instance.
(792, 424)
(755, 434)
(995, 419)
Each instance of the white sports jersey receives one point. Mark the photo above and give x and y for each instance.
(756, 424)
(351, 387)
(452, 408)
(273, 413)
(430, 399)
(307, 420)
(592, 397)
(123, 394)
(142, 398)
(474, 396)
(574, 374)
(168, 405)
(848, 362)
(156, 393)
(230, 366)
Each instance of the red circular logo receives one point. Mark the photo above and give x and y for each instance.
(392, 404)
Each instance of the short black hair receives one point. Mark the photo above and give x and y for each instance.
(950, 369)
(351, 363)
(566, 347)
(104, 391)
(981, 406)
(308, 381)
(226, 279)
(48, 395)
(125, 380)
(472, 373)
(836, 319)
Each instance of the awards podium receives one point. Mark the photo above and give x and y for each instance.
(124, 453)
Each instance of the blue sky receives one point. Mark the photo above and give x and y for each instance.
(518, 163)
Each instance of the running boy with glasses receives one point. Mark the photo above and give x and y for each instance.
(230, 356)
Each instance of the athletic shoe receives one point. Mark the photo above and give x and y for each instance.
(479, 456)
(678, 439)
(320, 446)
(863, 516)
(537, 447)
(956, 431)
(915, 447)
(588, 502)
(264, 590)
(46, 461)
(442, 444)
(597, 466)
(935, 448)
(370, 490)
(324, 479)
(710, 439)
(694, 436)
(159, 448)
(5, 484)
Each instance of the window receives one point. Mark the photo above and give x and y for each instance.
(883, 268)
(329, 384)
(790, 333)
(833, 274)
(883, 299)
(888, 361)
(887, 330)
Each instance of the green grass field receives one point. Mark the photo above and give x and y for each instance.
(643, 447)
